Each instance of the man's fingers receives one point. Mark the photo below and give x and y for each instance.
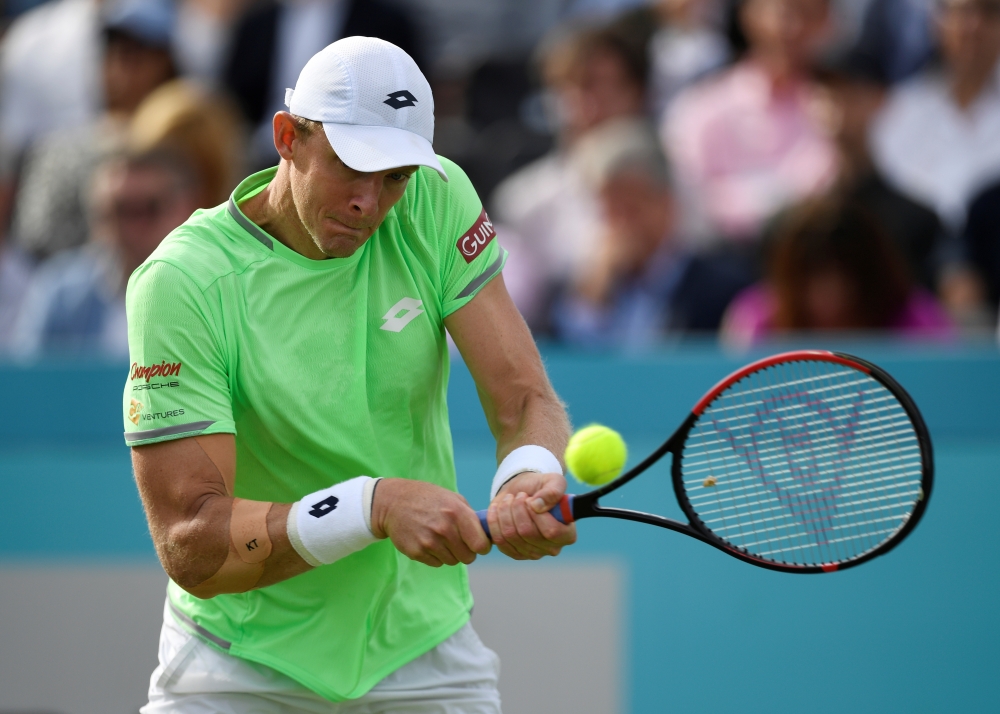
(473, 536)
(542, 531)
(508, 528)
(554, 533)
(528, 540)
(496, 532)
(422, 556)
(547, 497)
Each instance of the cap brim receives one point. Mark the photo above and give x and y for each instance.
(378, 148)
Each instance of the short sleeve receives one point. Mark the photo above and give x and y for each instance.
(178, 383)
(469, 254)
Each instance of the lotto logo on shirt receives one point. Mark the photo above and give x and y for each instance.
(164, 369)
(476, 238)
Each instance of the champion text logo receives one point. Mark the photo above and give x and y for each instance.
(402, 314)
(476, 238)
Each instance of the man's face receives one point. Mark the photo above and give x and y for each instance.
(339, 207)
(136, 207)
(638, 211)
(600, 89)
(970, 34)
(791, 29)
(131, 71)
(846, 108)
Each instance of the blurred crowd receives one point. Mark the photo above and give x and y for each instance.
(660, 169)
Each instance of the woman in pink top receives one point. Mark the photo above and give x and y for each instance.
(743, 142)
(831, 267)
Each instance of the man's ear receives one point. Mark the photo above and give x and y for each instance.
(284, 134)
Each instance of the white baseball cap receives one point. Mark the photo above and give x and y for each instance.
(373, 101)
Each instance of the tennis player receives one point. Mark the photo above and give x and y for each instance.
(286, 409)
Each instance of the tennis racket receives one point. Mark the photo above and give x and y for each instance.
(805, 462)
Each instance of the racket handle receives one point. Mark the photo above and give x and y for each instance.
(563, 512)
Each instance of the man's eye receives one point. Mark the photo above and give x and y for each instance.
(399, 176)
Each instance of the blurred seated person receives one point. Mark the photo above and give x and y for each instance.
(639, 285)
(939, 137)
(899, 36)
(546, 212)
(49, 211)
(76, 300)
(49, 67)
(199, 125)
(832, 268)
(852, 91)
(981, 242)
(743, 142)
(273, 40)
(15, 274)
(683, 40)
(204, 32)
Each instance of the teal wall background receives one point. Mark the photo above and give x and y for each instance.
(915, 631)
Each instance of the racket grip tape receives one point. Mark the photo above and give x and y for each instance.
(562, 512)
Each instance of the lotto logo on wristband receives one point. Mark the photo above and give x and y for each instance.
(323, 507)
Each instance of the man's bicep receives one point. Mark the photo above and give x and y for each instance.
(178, 381)
(183, 484)
(496, 345)
(175, 477)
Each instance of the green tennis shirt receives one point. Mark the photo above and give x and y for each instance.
(324, 370)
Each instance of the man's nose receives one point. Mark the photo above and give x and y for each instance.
(364, 202)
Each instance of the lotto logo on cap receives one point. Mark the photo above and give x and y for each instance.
(374, 103)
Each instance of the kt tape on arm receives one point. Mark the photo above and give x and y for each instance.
(249, 547)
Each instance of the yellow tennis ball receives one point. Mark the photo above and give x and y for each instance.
(596, 454)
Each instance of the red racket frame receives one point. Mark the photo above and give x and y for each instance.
(575, 507)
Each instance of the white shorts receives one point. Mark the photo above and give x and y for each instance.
(459, 676)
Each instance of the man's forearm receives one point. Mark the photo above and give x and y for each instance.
(535, 417)
(230, 546)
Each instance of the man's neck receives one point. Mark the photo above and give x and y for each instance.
(274, 211)
(855, 163)
(782, 74)
(966, 87)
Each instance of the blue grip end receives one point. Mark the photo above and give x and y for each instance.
(484, 523)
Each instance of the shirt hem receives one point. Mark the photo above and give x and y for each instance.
(307, 680)
(219, 427)
(487, 277)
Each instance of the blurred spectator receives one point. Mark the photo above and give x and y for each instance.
(682, 40)
(49, 73)
(743, 142)
(832, 268)
(273, 41)
(15, 274)
(547, 213)
(939, 137)
(687, 46)
(48, 81)
(639, 284)
(204, 29)
(981, 239)
(76, 300)
(852, 93)
(48, 213)
(202, 127)
(899, 35)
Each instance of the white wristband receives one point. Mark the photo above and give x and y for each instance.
(333, 523)
(525, 458)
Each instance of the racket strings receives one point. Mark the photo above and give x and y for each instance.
(804, 463)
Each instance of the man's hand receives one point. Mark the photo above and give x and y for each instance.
(519, 517)
(427, 523)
